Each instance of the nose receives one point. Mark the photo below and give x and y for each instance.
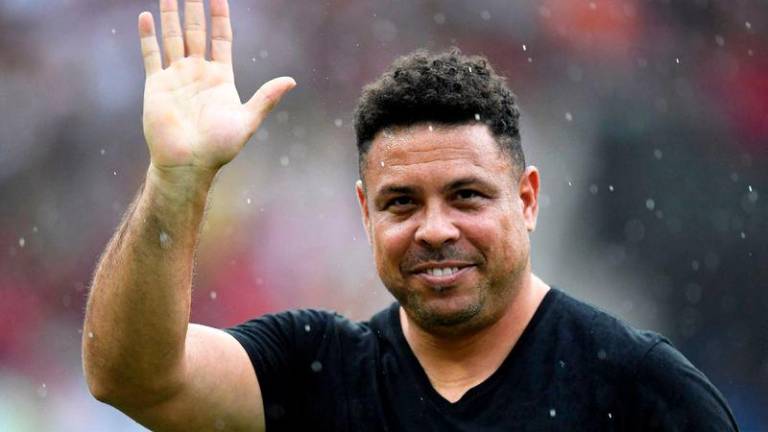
(436, 228)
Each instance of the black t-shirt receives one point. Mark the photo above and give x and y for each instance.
(573, 368)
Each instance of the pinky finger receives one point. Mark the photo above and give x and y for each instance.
(150, 50)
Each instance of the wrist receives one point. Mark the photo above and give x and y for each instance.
(183, 183)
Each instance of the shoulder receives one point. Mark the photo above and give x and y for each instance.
(601, 335)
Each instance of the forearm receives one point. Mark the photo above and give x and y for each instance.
(138, 310)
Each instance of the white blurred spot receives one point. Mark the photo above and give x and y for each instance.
(658, 154)
(601, 354)
(748, 25)
(477, 117)
(719, 40)
(593, 189)
(213, 295)
(650, 204)
(316, 366)
(552, 412)
(610, 416)
(247, 200)
(22, 242)
(114, 31)
(530, 60)
(439, 18)
(677, 60)
(90, 335)
(695, 265)
(284, 161)
(485, 15)
(610, 188)
(102, 152)
(743, 235)
(525, 48)
(253, 59)
(307, 328)
(338, 122)
(42, 391)
(568, 116)
(431, 128)
(114, 173)
(165, 240)
(592, 5)
(382, 163)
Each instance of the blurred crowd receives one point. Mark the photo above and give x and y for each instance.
(648, 119)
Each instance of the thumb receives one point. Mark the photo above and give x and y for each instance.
(267, 97)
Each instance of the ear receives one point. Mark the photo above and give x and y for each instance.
(529, 196)
(363, 201)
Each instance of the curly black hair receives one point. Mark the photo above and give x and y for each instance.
(448, 88)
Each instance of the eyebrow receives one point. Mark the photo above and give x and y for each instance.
(395, 189)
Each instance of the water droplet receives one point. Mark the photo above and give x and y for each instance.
(562, 364)
(469, 69)
(657, 154)
(569, 183)
(677, 60)
(748, 25)
(22, 242)
(247, 200)
(530, 60)
(316, 366)
(568, 116)
(90, 335)
(213, 295)
(750, 52)
(601, 354)
(382, 164)
(610, 188)
(34, 229)
(102, 152)
(485, 15)
(338, 122)
(284, 161)
(477, 117)
(165, 240)
(307, 328)
(592, 5)
(650, 204)
(552, 412)
(610, 416)
(42, 391)
(743, 235)
(593, 189)
(749, 188)
(695, 265)
(431, 128)
(719, 40)
(439, 18)
(253, 59)
(114, 31)
(114, 173)
(525, 48)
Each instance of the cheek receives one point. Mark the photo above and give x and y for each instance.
(391, 241)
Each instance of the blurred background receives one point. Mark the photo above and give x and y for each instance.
(647, 118)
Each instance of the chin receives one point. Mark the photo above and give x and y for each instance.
(446, 313)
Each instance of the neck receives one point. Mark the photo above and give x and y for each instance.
(456, 363)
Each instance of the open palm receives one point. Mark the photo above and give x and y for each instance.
(193, 116)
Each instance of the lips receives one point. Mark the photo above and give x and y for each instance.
(442, 273)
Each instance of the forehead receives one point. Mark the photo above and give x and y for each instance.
(434, 151)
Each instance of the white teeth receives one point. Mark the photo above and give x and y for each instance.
(447, 271)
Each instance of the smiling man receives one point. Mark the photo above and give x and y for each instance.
(474, 342)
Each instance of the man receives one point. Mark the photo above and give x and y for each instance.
(475, 340)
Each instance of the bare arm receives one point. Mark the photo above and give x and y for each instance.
(139, 352)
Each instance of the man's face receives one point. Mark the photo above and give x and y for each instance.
(448, 219)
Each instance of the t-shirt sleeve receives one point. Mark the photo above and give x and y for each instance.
(283, 349)
(672, 395)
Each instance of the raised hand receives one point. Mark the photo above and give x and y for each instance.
(193, 116)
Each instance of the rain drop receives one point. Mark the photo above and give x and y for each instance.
(610, 416)
(42, 391)
(247, 200)
(530, 60)
(552, 412)
(439, 18)
(102, 152)
(477, 117)
(719, 40)
(253, 59)
(677, 60)
(307, 328)
(114, 31)
(284, 161)
(592, 5)
(338, 122)
(382, 164)
(743, 235)
(601, 354)
(749, 188)
(658, 154)
(525, 48)
(485, 15)
(568, 116)
(316, 366)
(650, 204)
(213, 295)
(569, 183)
(593, 189)
(165, 240)
(610, 188)
(431, 128)
(114, 173)
(22, 242)
(748, 25)
(90, 335)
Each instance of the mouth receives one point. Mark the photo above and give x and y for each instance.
(442, 275)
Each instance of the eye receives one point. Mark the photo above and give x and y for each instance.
(467, 194)
(399, 202)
